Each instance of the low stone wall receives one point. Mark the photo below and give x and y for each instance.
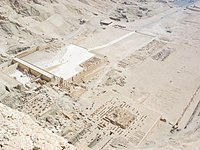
(27, 52)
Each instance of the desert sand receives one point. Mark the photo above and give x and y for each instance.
(99, 74)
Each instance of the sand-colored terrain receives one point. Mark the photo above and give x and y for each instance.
(19, 131)
(99, 74)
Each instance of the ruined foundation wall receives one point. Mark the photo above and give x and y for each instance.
(88, 70)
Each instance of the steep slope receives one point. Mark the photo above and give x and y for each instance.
(27, 23)
(18, 131)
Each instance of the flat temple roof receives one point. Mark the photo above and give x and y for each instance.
(70, 62)
(41, 71)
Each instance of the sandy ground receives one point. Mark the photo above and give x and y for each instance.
(153, 53)
(169, 80)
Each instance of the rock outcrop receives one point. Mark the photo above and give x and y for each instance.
(18, 131)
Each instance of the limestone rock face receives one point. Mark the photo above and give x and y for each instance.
(19, 131)
(2, 90)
